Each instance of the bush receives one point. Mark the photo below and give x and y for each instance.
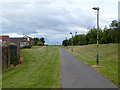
(40, 45)
(28, 46)
(22, 46)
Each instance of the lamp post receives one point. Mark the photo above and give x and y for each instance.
(72, 41)
(97, 8)
(75, 38)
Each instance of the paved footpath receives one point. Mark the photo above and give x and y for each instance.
(76, 74)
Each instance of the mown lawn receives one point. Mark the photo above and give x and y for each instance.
(40, 69)
(0, 80)
(108, 57)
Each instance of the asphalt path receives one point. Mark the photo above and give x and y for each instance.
(76, 74)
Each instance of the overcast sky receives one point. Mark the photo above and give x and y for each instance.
(54, 19)
(119, 10)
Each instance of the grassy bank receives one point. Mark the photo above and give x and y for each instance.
(0, 80)
(108, 57)
(40, 69)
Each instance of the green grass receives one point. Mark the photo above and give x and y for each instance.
(0, 80)
(108, 57)
(40, 69)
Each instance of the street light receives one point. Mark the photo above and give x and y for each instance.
(72, 41)
(75, 38)
(97, 8)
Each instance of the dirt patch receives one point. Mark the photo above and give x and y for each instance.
(6, 69)
(97, 66)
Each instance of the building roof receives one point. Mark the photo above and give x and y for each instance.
(27, 37)
(4, 38)
(18, 39)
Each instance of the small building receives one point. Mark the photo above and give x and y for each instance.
(4, 40)
(23, 41)
(29, 39)
(26, 40)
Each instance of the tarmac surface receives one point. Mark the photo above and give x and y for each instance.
(76, 74)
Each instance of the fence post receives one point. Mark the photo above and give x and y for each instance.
(8, 59)
(5, 57)
(18, 52)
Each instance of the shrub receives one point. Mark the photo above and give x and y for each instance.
(28, 46)
(40, 45)
(22, 46)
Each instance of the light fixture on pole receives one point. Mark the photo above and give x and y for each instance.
(97, 8)
(75, 38)
(72, 41)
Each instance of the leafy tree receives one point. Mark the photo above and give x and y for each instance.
(65, 43)
(107, 35)
(36, 40)
(43, 40)
(114, 24)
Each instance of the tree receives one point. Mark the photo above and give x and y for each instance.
(114, 24)
(92, 35)
(36, 40)
(42, 39)
(107, 35)
(65, 43)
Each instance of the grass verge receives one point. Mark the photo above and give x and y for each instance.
(40, 69)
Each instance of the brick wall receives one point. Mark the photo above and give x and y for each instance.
(24, 43)
(5, 40)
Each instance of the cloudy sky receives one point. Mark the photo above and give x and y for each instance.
(119, 10)
(54, 19)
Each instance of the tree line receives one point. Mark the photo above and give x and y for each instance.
(36, 40)
(107, 35)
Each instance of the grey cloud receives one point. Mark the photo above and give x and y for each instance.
(28, 18)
